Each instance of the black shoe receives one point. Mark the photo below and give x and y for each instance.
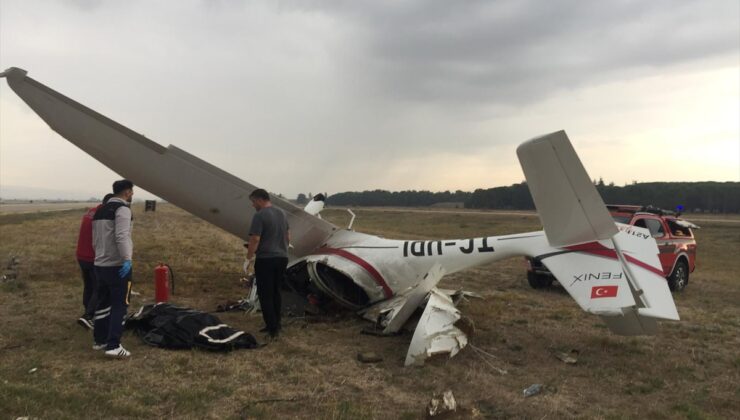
(264, 329)
(85, 322)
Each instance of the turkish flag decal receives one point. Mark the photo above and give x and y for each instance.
(604, 291)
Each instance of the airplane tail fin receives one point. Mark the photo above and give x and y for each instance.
(612, 272)
(569, 206)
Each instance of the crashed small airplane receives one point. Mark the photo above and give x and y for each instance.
(386, 280)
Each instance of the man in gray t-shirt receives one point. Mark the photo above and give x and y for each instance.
(268, 253)
(271, 227)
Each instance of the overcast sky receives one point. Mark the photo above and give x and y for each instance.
(336, 95)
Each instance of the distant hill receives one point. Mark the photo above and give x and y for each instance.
(712, 197)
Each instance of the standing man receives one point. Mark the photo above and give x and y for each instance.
(86, 258)
(113, 252)
(267, 254)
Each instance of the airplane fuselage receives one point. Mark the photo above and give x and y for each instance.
(358, 269)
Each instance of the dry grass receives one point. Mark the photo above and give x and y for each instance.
(691, 369)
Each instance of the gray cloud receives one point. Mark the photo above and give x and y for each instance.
(510, 52)
(339, 92)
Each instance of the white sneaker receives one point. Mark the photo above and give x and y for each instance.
(85, 323)
(98, 346)
(118, 352)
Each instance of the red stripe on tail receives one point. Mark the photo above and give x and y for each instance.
(596, 248)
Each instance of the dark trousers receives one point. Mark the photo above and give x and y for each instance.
(90, 288)
(270, 273)
(113, 297)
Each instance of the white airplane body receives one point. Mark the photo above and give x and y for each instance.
(611, 270)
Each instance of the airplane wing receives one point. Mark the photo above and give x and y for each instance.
(169, 172)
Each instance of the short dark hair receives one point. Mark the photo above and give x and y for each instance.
(260, 193)
(122, 185)
(107, 197)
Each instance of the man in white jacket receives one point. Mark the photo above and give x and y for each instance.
(113, 253)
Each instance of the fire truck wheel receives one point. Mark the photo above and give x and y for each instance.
(679, 278)
(538, 281)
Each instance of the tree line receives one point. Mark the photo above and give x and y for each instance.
(712, 197)
(396, 198)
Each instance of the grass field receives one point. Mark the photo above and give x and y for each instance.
(48, 369)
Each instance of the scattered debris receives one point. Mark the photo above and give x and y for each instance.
(250, 304)
(458, 296)
(436, 332)
(369, 357)
(239, 305)
(441, 404)
(33, 370)
(392, 314)
(247, 282)
(293, 306)
(533, 390)
(10, 271)
(12, 263)
(569, 358)
(483, 354)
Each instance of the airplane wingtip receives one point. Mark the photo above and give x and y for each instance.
(14, 73)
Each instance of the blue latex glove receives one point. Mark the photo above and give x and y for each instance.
(125, 269)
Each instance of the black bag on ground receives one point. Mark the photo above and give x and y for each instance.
(171, 327)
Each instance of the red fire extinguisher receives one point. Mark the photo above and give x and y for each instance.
(162, 275)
